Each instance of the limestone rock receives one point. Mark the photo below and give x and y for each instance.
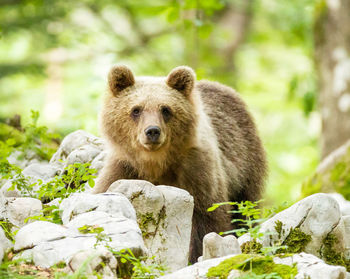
(346, 239)
(312, 267)
(23, 159)
(73, 142)
(43, 171)
(164, 215)
(9, 193)
(308, 266)
(37, 232)
(316, 215)
(215, 246)
(47, 243)
(4, 244)
(344, 204)
(19, 209)
(100, 260)
(83, 154)
(122, 232)
(115, 204)
(49, 253)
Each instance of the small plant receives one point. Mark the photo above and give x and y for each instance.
(49, 213)
(38, 139)
(73, 177)
(7, 228)
(251, 223)
(139, 268)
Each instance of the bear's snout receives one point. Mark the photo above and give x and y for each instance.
(152, 133)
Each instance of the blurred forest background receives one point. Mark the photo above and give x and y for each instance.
(288, 59)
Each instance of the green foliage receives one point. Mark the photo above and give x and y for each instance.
(251, 224)
(91, 229)
(251, 221)
(255, 266)
(70, 181)
(30, 138)
(49, 213)
(7, 228)
(139, 268)
(38, 139)
(61, 186)
(20, 269)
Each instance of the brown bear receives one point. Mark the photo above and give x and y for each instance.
(176, 131)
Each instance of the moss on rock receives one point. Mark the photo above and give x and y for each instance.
(251, 247)
(252, 263)
(296, 241)
(279, 228)
(144, 220)
(330, 255)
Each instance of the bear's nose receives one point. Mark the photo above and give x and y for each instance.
(152, 133)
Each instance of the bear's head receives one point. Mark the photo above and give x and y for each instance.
(150, 117)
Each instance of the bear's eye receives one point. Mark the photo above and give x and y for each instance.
(135, 113)
(166, 112)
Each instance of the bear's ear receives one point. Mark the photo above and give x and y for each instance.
(119, 78)
(182, 79)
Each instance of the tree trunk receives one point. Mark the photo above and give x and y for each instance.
(332, 54)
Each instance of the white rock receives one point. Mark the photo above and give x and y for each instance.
(72, 142)
(84, 154)
(48, 243)
(123, 232)
(216, 246)
(100, 260)
(49, 253)
(115, 204)
(19, 209)
(23, 160)
(312, 267)
(4, 244)
(9, 194)
(43, 171)
(165, 217)
(344, 204)
(38, 232)
(308, 266)
(346, 223)
(316, 215)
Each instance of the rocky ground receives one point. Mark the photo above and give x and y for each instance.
(108, 233)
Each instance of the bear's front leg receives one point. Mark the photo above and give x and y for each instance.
(111, 172)
(199, 178)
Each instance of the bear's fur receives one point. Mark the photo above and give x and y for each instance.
(206, 142)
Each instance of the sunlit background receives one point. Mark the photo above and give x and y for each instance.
(55, 55)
